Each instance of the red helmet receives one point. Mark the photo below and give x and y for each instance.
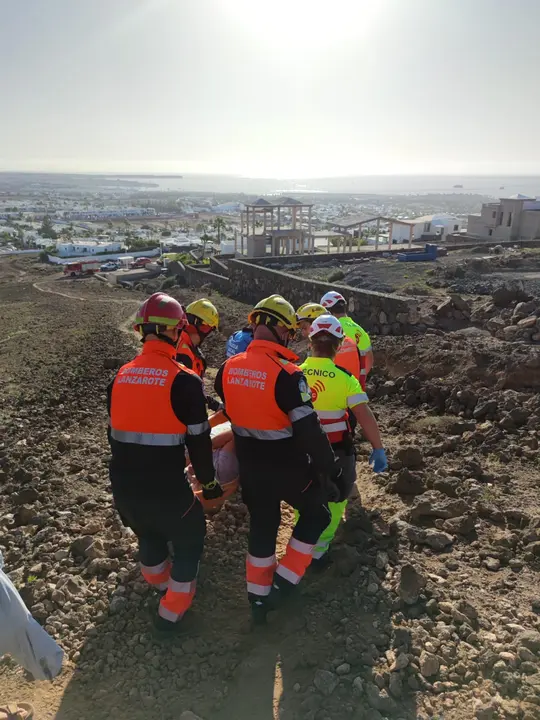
(161, 309)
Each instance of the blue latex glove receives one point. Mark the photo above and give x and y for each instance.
(378, 460)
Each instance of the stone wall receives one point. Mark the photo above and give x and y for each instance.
(377, 312)
(197, 277)
(218, 266)
(321, 258)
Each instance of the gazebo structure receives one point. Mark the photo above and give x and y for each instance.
(285, 225)
(353, 225)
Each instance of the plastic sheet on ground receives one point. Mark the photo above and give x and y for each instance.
(22, 637)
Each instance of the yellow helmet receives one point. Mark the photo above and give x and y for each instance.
(203, 311)
(274, 307)
(310, 311)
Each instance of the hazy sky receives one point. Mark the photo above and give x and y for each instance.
(276, 88)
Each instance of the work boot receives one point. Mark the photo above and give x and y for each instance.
(164, 629)
(259, 612)
(319, 565)
(281, 590)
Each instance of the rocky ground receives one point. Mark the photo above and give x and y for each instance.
(477, 271)
(429, 610)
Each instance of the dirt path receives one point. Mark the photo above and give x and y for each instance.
(428, 610)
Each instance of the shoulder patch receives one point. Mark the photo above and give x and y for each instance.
(305, 392)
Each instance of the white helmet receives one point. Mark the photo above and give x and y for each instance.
(326, 324)
(331, 298)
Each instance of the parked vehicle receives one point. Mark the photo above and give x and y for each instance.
(81, 268)
(140, 262)
(108, 266)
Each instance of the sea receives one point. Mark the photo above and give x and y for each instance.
(495, 186)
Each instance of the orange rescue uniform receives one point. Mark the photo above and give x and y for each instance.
(350, 358)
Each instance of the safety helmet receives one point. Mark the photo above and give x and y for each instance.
(332, 298)
(203, 312)
(273, 310)
(161, 309)
(309, 311)
(326, 324)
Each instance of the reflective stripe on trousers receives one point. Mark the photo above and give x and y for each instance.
(337, 510)
(157, 575)
(141, 438)
(295, 562)
(259, 574)
(281, 434)
(177, 599)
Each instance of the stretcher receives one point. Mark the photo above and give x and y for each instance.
(225, 464)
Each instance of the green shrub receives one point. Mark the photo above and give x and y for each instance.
(336, 276)
(169, 282)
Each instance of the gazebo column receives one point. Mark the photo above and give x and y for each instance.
(411, 230)
(377, 233)
(390, 233)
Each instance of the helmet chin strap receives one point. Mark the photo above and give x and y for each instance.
(282, 341)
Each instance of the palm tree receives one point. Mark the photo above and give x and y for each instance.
(206, 241)
(219, 226)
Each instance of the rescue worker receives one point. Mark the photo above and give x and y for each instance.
(283, 453)
(334, 393)
(202, 320)
(348, 355)
(157, 409)
(336, 305)
(239, 341)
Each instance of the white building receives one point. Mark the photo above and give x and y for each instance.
(75, 248)
(440, 225)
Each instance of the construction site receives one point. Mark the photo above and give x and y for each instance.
(430, 607)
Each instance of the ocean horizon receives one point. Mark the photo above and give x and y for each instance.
(368, 184)
(490, 185)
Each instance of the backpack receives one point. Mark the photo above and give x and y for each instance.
(238, 342)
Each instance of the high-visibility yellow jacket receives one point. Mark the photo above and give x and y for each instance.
(358, 334)
(333, 392)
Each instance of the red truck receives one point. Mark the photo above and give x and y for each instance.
(81, 268)
(140, 262)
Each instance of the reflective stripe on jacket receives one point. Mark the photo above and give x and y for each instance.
(249, 387)
(141, 411)
(333, 392)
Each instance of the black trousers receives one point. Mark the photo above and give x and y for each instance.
(159, 520)
(262, 492)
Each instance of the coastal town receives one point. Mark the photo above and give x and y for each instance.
(79, 216)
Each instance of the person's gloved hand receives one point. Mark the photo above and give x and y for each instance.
(339, 482)
(330, 488)
(379, 460)
(212, 491)
(213, 404)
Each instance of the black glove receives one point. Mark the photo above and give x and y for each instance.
(212, 491)
(213, 404)
(329, 486)
(339, 482)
